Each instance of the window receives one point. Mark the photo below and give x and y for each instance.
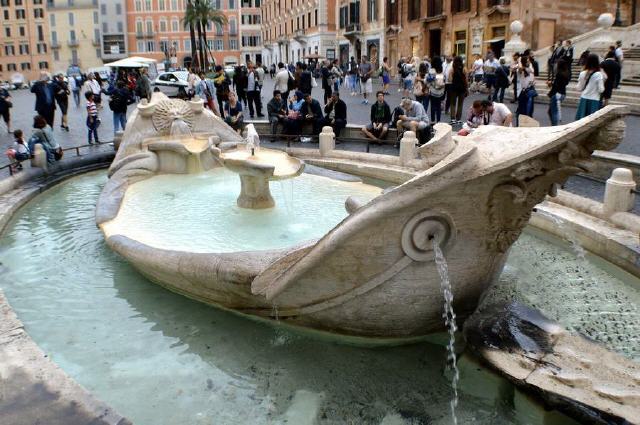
(218, 45)
(344, 13)
(174, 4)
(25, 66)
(105, 27)
(233, 26)
(98, 53)
(118, 9)
(354, 13)
(96, 34)
(434, 8)
(414, 10)
(163, 25)
(54, 36)
(24, 49)
(56, 55)
(498, 2)
(21, 31)
(12, 67)
(187, 45)
(164, 46)
(149, 27)
(233, 44)
(147, 5)
(218, 29)
(120, 27)
(372, 10)
(103, 9)
(460, 6)
(52, 20)
(95, 18)
(6, 15)
(161, 5)
(175, 25)
(72, 35)
(232, 5)
(151, 46)
(43, 65)
(461, 44)
(7, 31)
(138, 7)
(71, 19)
(139, 28)
(38, 13)
(20, 14)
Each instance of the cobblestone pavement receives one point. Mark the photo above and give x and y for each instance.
(358, 113)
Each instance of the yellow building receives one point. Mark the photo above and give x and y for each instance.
(75, 34)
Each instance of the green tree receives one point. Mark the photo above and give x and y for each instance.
(190, 20)
(207, 13)
(197, 17)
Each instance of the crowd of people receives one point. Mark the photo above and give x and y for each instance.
(430, 87)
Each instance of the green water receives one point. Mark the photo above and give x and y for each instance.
(159, 358)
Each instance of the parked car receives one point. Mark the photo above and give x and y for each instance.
(230, 69)
(19, 81)
(6, 85)
(170, 83)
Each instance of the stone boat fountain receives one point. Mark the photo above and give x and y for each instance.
(373, 273)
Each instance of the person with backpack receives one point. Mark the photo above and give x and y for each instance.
(143, 85)
(222, 88)
(120, 100)
(436, 85)
(502, 80)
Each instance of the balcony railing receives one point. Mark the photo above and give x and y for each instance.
(55, 45)
(139, 34)
(73, 43)
(352, 28)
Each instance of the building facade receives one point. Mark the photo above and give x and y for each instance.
(75, 34)
(24, 44)
(468, 27)
(293, 30)
(361, 30)
(113, 29)
(155, 30)
(250, 31)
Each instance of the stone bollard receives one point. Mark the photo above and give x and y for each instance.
(408, 147)
(39, 157)
(618, 193)
(117, 139)
(327, 141)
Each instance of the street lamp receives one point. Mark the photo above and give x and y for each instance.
(618, 21)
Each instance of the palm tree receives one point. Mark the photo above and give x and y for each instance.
(207, 13)
(190, 20)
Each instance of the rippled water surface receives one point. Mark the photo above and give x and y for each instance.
(161, 213)
(161, 359)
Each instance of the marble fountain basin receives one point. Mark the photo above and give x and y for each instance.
(367, 273)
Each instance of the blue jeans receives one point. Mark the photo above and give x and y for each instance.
(119, 121)
(92, 129)
(436, 108)
(554, 108)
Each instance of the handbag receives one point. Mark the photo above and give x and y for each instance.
(294, 115)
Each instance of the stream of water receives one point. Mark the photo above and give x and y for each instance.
(450, 321)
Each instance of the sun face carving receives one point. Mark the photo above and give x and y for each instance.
(167, 111)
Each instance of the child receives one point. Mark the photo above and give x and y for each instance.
(93, 121)
(18, 152)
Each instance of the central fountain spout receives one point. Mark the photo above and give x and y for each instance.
(256, 167)
(179, 127)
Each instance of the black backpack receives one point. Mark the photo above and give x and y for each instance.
(291, 82)
(117, 102)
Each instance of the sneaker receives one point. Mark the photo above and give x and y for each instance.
(453, 122)
(366, 102)
(90, 142)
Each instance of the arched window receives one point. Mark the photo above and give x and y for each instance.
(218, 29)
(149, 26)
(175, 25)
(163, 25)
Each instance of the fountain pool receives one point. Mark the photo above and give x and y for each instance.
(160, 213)
(159, 358)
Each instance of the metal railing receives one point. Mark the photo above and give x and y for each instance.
(10, 166)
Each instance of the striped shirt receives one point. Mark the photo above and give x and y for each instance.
(92, 110)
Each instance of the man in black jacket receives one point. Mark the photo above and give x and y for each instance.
(45, 98)
(326, 81)
(336, 113)
(305, 80)
(380, 117)
(120, 99)
(311, 111)
(277, 111)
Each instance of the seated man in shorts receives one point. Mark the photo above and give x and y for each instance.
(414, 117)
(380, 117)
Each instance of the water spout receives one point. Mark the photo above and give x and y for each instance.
(450, 321)
(253, 139)
(179, 128)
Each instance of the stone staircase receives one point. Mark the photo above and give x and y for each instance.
(623, 96)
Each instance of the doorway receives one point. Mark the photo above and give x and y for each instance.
(546, 33)
(435, 40)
